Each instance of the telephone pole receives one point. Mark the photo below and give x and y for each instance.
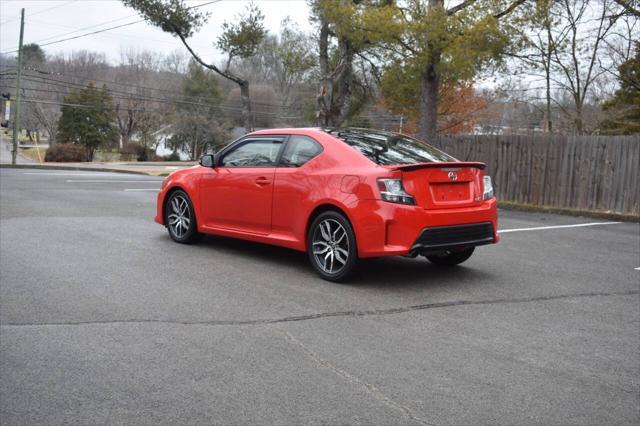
(16, 117)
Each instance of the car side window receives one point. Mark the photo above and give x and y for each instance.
(299, 150)
(253, 153)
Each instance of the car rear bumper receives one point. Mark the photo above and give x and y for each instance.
(388, 229)
(439, 238)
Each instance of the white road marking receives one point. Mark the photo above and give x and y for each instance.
(73, 174)
(172, 167)
(141, 189)
(637, 269)
(111, 180)
(540, 228)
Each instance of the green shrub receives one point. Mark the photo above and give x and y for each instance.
(174, 156)
(138, 152)
(66, 153)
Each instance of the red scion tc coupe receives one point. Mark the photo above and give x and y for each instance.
(338, 194)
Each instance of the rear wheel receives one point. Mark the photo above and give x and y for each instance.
(451, 258)
(332, 246)
(180, 218)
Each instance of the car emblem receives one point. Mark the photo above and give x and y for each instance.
(453, 176)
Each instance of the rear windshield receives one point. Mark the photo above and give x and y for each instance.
(386, 148)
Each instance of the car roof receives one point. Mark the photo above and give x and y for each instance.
(288, 131)
(330, 130)
(336, 146)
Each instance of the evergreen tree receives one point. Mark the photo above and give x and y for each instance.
(199, 128)
(88, 119)
(624, 109)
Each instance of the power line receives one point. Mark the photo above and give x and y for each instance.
(39, 12)
(380, 118)
(140, 97)
(104, 29)
(79, 36)
(84, 28)
(178, 112)
(81, 86)
(377, 117)
(128, 95)
(107, 34)
(165, 100)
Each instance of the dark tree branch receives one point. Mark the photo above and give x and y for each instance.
(227, 75)
(457, 8)
(628, 6)
(509, 9)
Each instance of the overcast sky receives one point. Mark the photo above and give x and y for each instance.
(51, 20)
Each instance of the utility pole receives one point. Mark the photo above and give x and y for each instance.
(16, 117)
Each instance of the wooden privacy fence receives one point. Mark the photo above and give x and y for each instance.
(581, 172)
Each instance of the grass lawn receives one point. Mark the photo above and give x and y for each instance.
(32, 154)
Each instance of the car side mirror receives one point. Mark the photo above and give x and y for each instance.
(208, 160)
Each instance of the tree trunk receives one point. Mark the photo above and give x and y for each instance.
(52, 137)
(334, 108)
(578, 120)
(326, 85)
(428, 120)
(548, 75)
(549, 123)
(344, 84)
(247, 118)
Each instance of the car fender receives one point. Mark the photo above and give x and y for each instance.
(184, 182)
(344, 205)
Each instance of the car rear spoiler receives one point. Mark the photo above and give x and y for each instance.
(438, 165)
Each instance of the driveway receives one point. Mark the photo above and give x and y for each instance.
(104, 319)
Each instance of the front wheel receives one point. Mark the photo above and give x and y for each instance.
(331, 245)
(180, 218)
(451, 258)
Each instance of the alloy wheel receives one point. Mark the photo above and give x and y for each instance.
(330, 246)
(180, 216)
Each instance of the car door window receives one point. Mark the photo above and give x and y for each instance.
(299, 150)
(253, 153)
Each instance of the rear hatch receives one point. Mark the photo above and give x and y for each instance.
(443, 185)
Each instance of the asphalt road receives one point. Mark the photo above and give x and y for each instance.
(104, 320)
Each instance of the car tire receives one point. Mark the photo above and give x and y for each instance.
(451, 258)
(331, 246)
(180, 218)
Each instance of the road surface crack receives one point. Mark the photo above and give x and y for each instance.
(352, 313)
(368, 387)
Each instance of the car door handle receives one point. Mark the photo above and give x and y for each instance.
(262, 181)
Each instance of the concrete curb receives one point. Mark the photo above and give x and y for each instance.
(595, 214)
(75, 168)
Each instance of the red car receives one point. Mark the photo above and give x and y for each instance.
(338, 194)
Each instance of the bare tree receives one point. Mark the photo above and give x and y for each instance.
(239, 40)
(284, 61)
(135, 78)
(573, 47)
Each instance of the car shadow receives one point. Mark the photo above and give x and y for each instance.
(380, 273)
(252, 251)
(394, 272)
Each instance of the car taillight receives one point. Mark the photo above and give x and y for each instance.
(488, 188)
(391, 190)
